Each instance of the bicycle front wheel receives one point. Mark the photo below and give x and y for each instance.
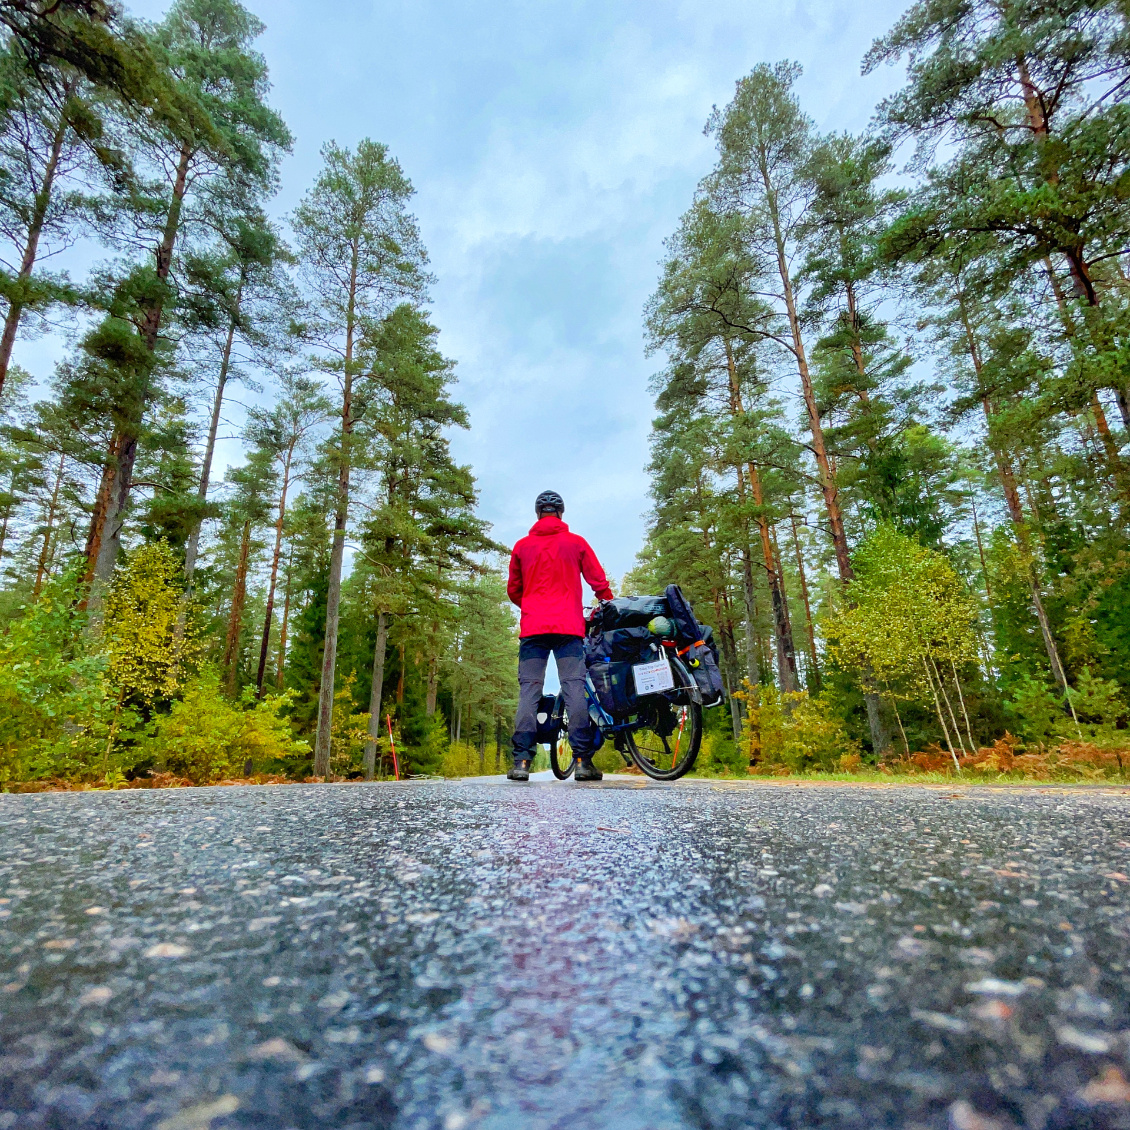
(666, 741)
(561, 759)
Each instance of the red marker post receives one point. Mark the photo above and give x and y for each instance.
(392, 743)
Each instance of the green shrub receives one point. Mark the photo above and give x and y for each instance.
(793, 732)
(1099, 707)
(206, 737)
(430, 753)
(1035, 713)
(461, 759)
(721, 756)
(146, 630)
(606, 759)
(55, 699)
(1039, 715)
(349, 734)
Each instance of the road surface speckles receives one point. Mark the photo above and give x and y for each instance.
(476, 954)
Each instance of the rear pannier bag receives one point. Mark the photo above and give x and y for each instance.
(700, 662)
(696, 646)
(708, 639)
(614, 686)
(687, 628)
(548, 726)
(632, 645)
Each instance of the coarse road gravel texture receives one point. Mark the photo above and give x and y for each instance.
(478, 954)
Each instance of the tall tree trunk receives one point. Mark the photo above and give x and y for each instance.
(375, 692)
(749, 599)
(725, 629)
(753, 668)
(1114, 459)
(981, 553)
(192, 547)
(52, 510)
(753, 665)
(964, 712)
(235, 618)
(274, 573)
(337, 554)
(786, 618)
(813, 680)
(1007, 477)
(782, 632)
(827, 478)
(123, 452)
(730, 666)
(949, 706)
(34, 232)
(93, 548)
(281, 662)
(786, 655)
(880, 735)
(433, 686)
(109, 537)
(1123, 395)
(4, 526)
(941, 720)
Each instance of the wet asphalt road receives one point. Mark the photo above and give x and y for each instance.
(476, 954)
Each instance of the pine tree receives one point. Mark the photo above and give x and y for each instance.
(360, 255)
(421, 536)
(1032, 96)
(284, 432)
(206, 47)
(764, 144)
(236, 292)
(256, 484)
(704, 316)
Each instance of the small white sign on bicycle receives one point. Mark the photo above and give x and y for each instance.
(651, 678)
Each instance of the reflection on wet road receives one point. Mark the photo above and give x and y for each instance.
(473, 954)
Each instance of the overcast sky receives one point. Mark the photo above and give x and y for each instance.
(553, 146)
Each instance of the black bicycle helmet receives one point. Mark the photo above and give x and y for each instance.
(549, 502)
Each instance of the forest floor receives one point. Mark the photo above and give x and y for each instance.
(458, 954)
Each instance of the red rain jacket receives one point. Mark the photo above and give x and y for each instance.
(545, 579)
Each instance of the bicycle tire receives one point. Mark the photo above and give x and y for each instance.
(561, 763)
(677, 715)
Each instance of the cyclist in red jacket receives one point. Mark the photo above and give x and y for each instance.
(545, 582)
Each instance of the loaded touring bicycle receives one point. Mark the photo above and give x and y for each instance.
(652, 668)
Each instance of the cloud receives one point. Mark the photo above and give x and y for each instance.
(553, 146)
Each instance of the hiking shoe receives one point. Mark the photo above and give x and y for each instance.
(587, 771)
(519, 772)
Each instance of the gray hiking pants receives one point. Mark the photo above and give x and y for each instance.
(533, 657)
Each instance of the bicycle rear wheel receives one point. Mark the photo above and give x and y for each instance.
(666, 741)
(561, 759)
